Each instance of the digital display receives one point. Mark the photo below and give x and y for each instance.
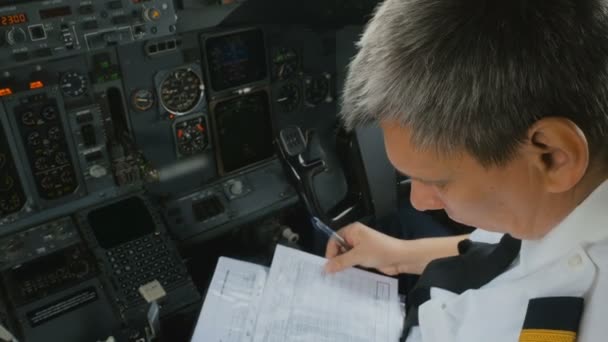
(121, 222)
(13, 19)
(236, 59)
(55, 12)
(244, 131)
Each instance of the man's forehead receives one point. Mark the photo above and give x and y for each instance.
(412, 161)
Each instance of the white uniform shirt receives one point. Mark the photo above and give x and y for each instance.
(571, 260)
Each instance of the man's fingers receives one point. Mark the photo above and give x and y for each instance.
(389, 270)
(341, 262)
(332, 249)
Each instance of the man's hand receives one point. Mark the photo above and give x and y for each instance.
(370, 248)
(388, 255)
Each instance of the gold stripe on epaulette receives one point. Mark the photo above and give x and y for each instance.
(544, 335)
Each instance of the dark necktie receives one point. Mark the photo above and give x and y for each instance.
(477, 265)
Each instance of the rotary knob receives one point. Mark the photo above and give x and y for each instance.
(152, 14)
(236, 188)
(16, 35)
(98, 171)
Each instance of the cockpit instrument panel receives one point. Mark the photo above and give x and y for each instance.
(131, 131)
(12, 196)
(44, 139)
(36, 30)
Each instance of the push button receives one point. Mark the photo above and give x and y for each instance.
(37, 32)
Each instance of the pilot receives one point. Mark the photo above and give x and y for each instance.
(498, 112)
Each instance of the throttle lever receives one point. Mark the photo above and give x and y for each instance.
(292, 141)
(293, 145)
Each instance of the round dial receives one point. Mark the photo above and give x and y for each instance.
(34, 139)
(6, 183)
(142, 100)
(73, 84)
(191, 136)
(29, 118)
(16, 35)
(54, 133)
(289, 97)
(61, 158)
(316, 89)
(284, 63)
(48, 113)
(10, 204)
(181, 91)
(41, 164)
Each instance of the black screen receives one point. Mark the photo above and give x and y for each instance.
(121, 222)
(244, 131)
(236, 59)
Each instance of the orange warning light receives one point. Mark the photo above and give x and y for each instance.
(36, 85)
(5, 91)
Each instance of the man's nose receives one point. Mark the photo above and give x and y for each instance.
(424, 197)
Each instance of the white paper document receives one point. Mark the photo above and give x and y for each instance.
(302, 303)
(231, 306)
(297, 301)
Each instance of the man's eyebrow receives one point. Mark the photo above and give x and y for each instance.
(421, 180)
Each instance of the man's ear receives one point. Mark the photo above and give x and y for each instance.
(559, 151)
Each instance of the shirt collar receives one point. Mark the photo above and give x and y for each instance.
(588, 223)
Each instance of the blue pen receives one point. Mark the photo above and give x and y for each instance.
(330, 233)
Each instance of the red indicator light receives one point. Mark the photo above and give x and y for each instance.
(5, 91)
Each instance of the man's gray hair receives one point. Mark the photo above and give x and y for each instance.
(476, 74)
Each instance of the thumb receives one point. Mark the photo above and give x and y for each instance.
(341, 262)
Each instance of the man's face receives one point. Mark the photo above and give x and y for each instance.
(502, 199)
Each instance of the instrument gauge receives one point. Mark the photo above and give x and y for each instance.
(317, 89)
(181, 91)
(142, 100)
(73, 84)
(285, 63)
(49, 113)
(10, 204)
(289, 97)
(29, 118)
(191, 136)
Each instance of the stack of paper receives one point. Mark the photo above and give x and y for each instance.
(296, 301)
